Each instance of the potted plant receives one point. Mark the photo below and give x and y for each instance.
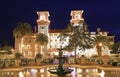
(18, 57)
(38, 58)
(83, 59)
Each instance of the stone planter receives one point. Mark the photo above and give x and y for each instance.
(17, 62)
(105, 60)
(83, 59)
(32, 63)
(38, 61)
(71, 60)
(38, 58)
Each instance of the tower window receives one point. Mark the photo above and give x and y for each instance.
(42, 27)
(42, 17)
(78, 16)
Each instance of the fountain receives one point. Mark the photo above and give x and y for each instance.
(60, 71)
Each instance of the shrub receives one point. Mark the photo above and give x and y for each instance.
(18, 55)
(38, 55)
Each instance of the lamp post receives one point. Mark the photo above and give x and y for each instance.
(99, 49)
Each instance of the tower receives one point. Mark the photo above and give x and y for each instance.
(76, 16)
(77, 19)
(43, 22)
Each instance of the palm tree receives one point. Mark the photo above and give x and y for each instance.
(41, 39)
(70, 26)
(78, 38)
(20, 31)
(7, 48)
(116, 48)
(100, 41)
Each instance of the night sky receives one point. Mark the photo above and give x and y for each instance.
(104, 14)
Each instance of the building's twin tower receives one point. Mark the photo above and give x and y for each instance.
(44, 22)
(29, 47)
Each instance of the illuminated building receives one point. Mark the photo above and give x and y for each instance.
(29, 47)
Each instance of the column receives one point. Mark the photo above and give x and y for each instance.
(38, 72)
(16, 74)
(107, 73)
(84, 72)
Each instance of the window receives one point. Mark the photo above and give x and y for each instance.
(42, 27)
(55, 34)
(77, 16)
(42, 17)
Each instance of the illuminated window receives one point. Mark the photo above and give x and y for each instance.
(77, 16)
(42, 17)
(55, 34)
(42, 27)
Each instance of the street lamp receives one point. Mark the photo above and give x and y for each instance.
(99, 46)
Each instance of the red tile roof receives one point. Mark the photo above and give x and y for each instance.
(56, 30)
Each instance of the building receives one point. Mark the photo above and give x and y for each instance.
(29, 48)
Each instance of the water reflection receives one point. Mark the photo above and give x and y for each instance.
(76, 73)
(42, 72)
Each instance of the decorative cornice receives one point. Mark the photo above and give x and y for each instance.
(42, 22)
(76, 21)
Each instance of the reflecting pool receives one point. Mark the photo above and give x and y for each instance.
(76, 73)
(82, 71)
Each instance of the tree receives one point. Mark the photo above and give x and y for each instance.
(5, 43)
(41, 39)
(38, 58)
(18, 55)
(116, 47)
(78, 37)
(20, 31)
(7, 49)
(100, 41)
(38, 55)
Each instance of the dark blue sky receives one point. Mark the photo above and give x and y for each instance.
(97, 13)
